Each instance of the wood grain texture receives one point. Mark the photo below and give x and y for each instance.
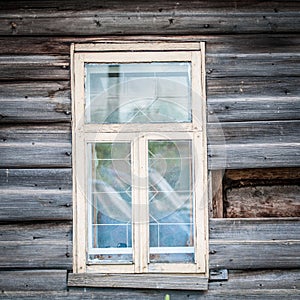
(234, 246)
(263, 201)
(141, 18)
(34, 67)
(239, 109)
(229, 44)
(35, 146)
(144, 281)
(40, 245)
(108, 294)
(35, 102)
(264, 174)
(255, 64)
(33, 280)
(267, 229)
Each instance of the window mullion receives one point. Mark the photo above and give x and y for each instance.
(140, 205)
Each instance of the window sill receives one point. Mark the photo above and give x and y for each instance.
(139, 281)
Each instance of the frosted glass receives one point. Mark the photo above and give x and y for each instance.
(137, 93)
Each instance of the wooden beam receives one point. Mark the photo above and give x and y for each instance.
(142, 18)
(136, 281)
(33, 280)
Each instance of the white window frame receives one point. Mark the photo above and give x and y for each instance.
(85, 133)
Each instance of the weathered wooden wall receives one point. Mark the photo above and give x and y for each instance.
(253, 94)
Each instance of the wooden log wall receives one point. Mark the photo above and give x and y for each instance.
(253, 95)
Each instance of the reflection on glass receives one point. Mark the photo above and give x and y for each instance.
(110, 230)
(171, 201)
(138, 93)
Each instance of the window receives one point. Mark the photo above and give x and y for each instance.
(139, 158)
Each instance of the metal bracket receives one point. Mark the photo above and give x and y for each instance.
(218, 275)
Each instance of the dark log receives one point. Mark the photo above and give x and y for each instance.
(229, 44)
(264, 174)
(34, 67)
(263, 201)
(142, 18)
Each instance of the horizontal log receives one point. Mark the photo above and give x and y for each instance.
(28, 205)
(256, 65)
(239, 109)
(36, 179)
(48, 245)
(33, 280)
(235, 156)
(253, 132)
(264, 174)
(152, 19)
(39, 146)
(271, 229)
(39, 245)
(260, 280)
(244, 246)
(34, 67)
(35, 102)
(134, 294)
(166, 5)
(254, 255)
(229, 44)
(242, 88)
(263, 201)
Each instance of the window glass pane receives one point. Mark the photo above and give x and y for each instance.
(110, 217)
(137, 93)
(171, 201)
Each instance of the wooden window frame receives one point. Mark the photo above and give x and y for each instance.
(84, 133)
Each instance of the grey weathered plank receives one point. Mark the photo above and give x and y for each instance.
(33, 280)
(242, 88)
(35, 102)
(254, 254)
(254, 132)
(271, 229)
(263, 155)
(35, 146)
(39, 245)
(36, 179)
(48, 245)
(260, 280)
(263, 201)
(254, 64)
(44, 146)
(29, 205)
(254, 244)
(257, 108)
(152, 20)
(144, 281)
(34, 67)
(126, 294)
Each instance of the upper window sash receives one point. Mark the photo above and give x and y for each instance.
(196, 92)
